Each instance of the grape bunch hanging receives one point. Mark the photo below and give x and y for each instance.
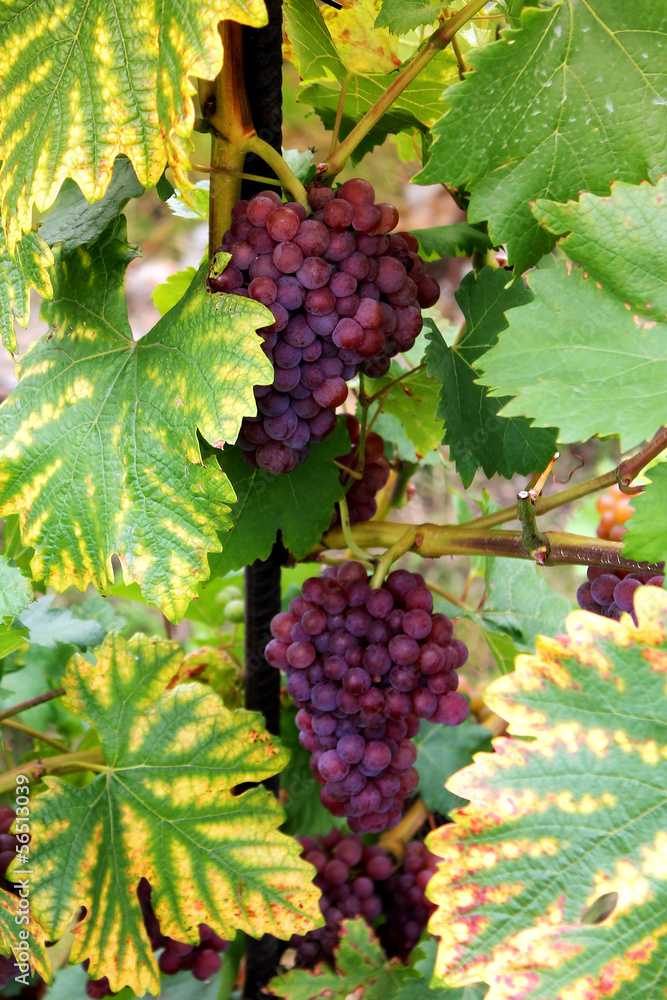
(345, 296)
(365, 666)
(360, 881)
(373, 471)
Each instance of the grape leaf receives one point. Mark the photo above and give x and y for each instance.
(442, 750)
(322, 72)
(22, 938)
(575, 358)
(569, 810)
(83, 84)
(299, 504)
(647, 528)
(413, 401)
(167, 294)
(363, 45)
(460, 239)
(362, 970)
(48, 626)
(167, 802)
(476, 435)
(422, 960)
(27, 268)
(620, 241)
(75, 222)
(99, 446)
(401, 16)
(15, 590)
(563, 104)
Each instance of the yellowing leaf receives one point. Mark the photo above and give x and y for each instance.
(363, 48)
(99, 452)
(29, 266)
(553, 884)
(85, 82)
(20, 934)
(167, 810)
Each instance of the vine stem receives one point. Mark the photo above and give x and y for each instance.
(385, 389)
(290, 182)
(394, 552)
(66, 763)
(396, 839)
(29, 731)
(348, 537)
(437, 540)
(438, 41)
(339, 112)
(25, 705)
(623, 474)
(441, 592)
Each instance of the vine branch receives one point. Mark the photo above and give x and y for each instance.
(438, 41)
(25, 705)
(35, 734)
(65, 763)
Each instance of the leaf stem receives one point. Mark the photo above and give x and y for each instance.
(348, 538)
(441, 592)
(622, 474)
(339, 112)
(437, 540)
(394, 552)
(395, 840)
(436, 42)
(385, 389)
(66, 763)
(25, 705)
(29, 731)
(200, 169)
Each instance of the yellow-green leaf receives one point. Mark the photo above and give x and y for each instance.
(83, 82)
(553, 884)
(99, 452)
(28, 267)
(167, 810)
(20, 934)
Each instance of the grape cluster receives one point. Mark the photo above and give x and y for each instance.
(348, 876)
(374, 471)
(364, 666)
(203, 960)
(614, 509)
(406, 908)
(345, 296)
(610, 594)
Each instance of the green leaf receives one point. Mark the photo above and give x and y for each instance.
(568, 810)
(164, 188)
(99, 447)
(11, 639)
(48, 626)
(168, 803)
(418, 988)
(565, 103)
(303, 809)
(75, 222)
(476, 435)
(413, 401)
(647, 528)
(459, 239)
(361, 970)
(15, 590)
(299, 504)
(574, 358)
(300, 163)
(442, 750)
(83, 84)
(322, 72)
(620, 241)
(401, 16)
(27, 268)
(171, 291)
(196, 206)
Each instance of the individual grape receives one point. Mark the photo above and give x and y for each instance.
(602, 588)
(338, 213)
(356, 191)
(287, 257)
(366, 219)
(615, 509)
(259, 209)
(282, 224)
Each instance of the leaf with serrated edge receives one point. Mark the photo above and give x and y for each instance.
(169, 292)
(167, 804)
(646, 538)
(620, 241)
(476, 435)
(563, 104)
(401, 16)
(364, 46)
(457, 239)
(362, 970)
(48, 626)
(413, 401)
(82, 84)
(99, 453)
(15, 590)
(16, 920)
(27, 268)
(299, 504)
(575, 358)
(73, 221)
(441, 751)
(571, 808)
